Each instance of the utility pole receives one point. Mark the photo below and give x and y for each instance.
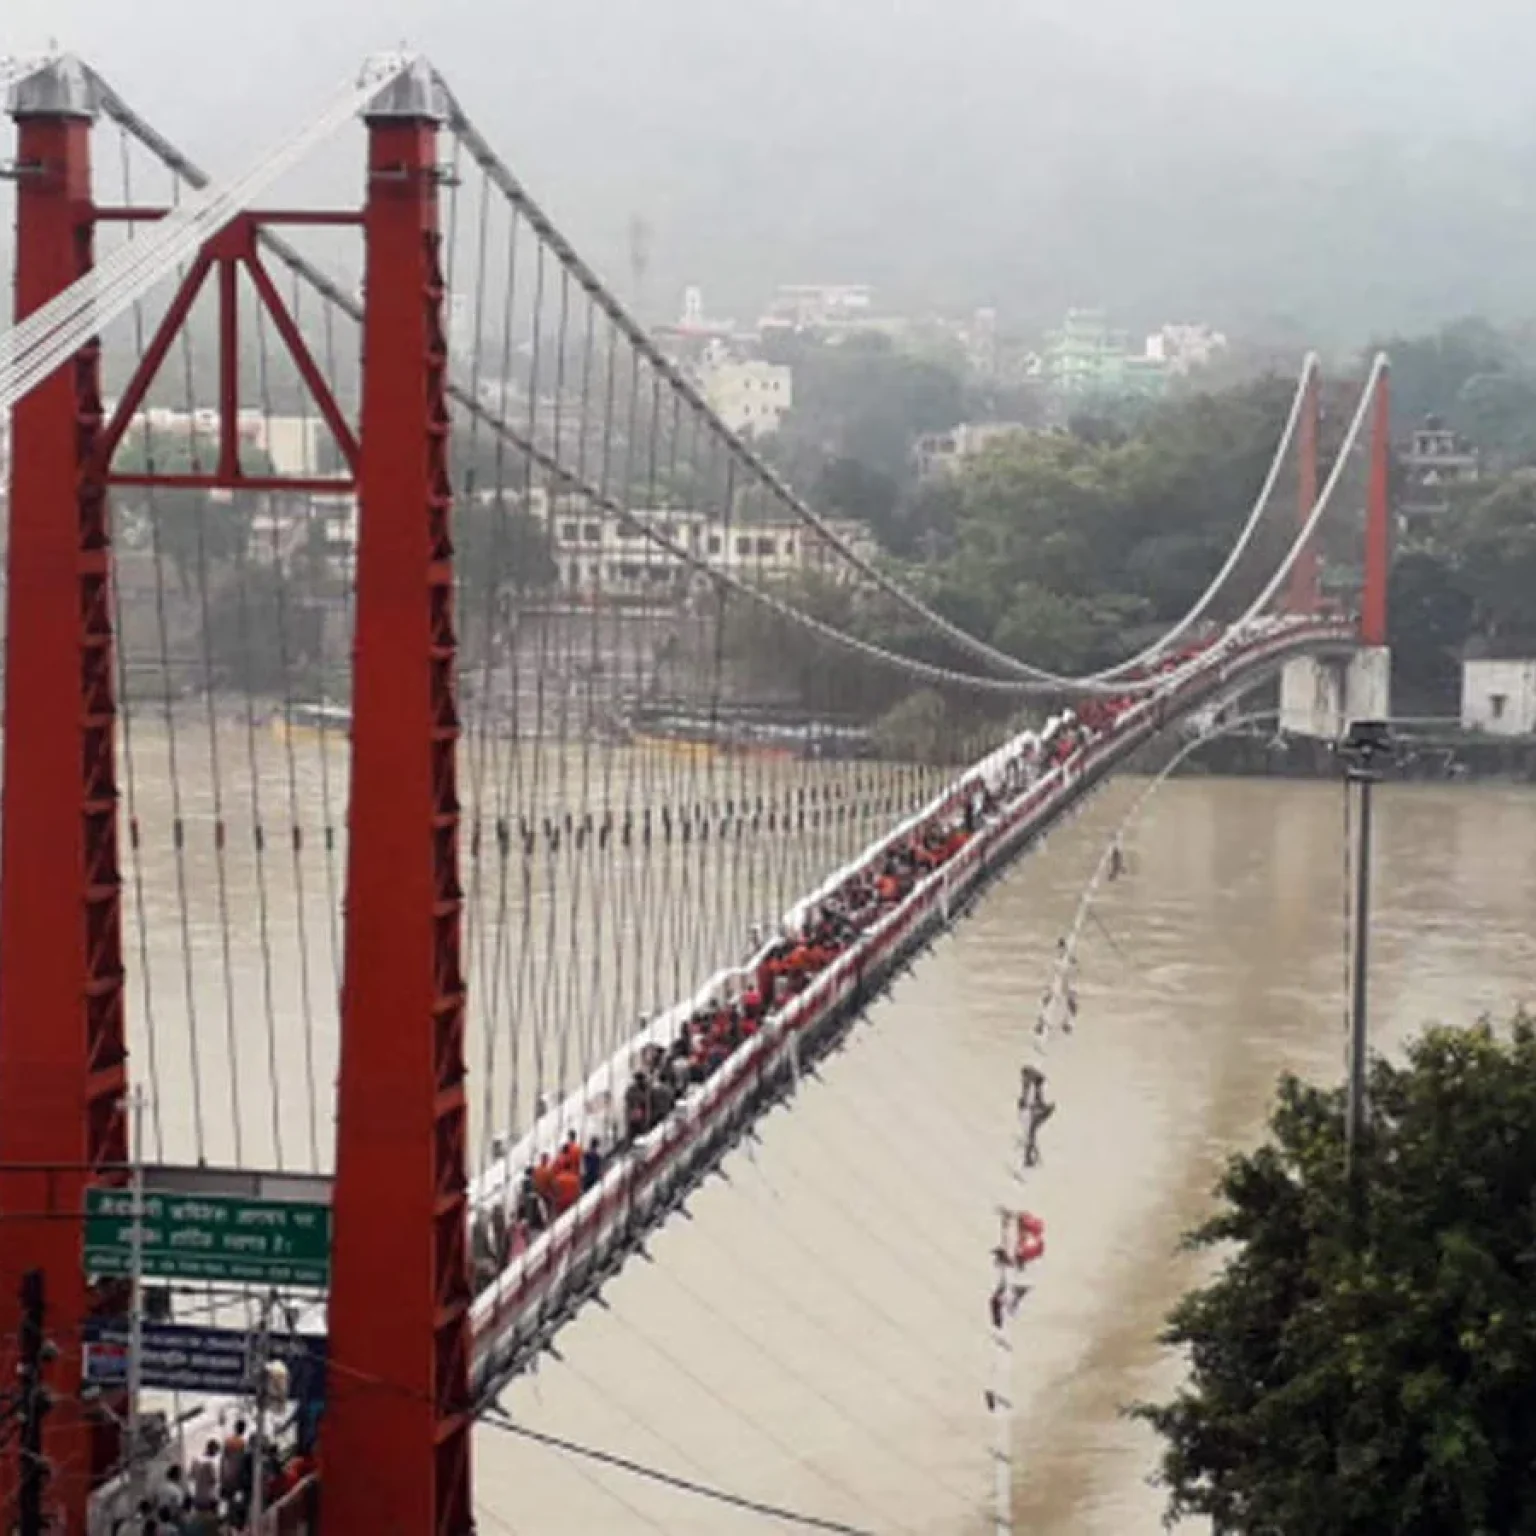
(1365, 743)
(259, 1383)
(36, 1351)
(136, 1296)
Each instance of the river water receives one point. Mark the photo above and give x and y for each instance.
(816, 1336)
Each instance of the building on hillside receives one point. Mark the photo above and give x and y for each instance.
(1086, 358)
(980, 339)
(944, 453)
(1499, 697)
(1181, 349)
(819, 307)
(292, 443)
(1437, 460)
(751, 396)
(694, 321)
(603, 555)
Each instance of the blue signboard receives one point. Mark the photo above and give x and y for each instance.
(180, 1359)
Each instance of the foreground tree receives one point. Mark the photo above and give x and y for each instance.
(1355, 1380)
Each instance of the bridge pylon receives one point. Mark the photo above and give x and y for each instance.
(396, 1435)
(1305, 594)
(63, 1060)
(1378, 517)
(1319, 696)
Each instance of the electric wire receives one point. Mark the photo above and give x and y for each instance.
(681, 1484)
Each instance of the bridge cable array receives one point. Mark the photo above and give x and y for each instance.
(1022, 1238)
(40, 344)
(684, 393)
(663, 751)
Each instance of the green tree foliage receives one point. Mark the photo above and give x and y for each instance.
(263, 637)
(1065, 544)
(1497, 411)
(773, 657)
(179, 453)
(847, 487)
(1430, 372)
(1472, 578)
(1495, 544)
(499, 547)
(1351, 1380)
(864, 400)
(1478, 379)
(196, 531)
(1430, 618)
(915, 730)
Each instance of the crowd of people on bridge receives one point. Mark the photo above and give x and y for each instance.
(663, 1074)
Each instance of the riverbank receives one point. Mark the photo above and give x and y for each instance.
(1443, 756)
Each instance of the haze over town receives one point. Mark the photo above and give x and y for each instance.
(1309, 167)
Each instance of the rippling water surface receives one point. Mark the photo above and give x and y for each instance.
(816, 1335)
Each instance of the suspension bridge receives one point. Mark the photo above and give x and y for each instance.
(431, 736)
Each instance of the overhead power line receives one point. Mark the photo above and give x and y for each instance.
(681, 1484)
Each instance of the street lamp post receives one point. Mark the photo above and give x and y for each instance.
(1366, 743)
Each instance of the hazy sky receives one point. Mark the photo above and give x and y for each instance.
(960, 150)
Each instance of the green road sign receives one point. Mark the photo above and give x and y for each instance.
(209, 1237)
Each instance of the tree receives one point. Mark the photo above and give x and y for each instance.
(915, 730)
(1430, 620)
(1495, 549)
(1062, 546)
(500, 546)
(192, 528)
(263, 638)
(862, 399)
(1497, 411)
(1350, 1379)
(1430, 372)
(849, 488)
(196, 531)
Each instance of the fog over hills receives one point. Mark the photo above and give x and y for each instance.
(1336, 169)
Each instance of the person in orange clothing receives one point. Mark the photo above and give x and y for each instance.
(567, 1188)
(568, 1159)
(544, 1177)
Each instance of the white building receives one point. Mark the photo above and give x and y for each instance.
(819, 306)
(695, 320)
(603, 554)
(752, 397)
(1499, 697)
(943, 453)
(1182, 348)
(291, 442)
